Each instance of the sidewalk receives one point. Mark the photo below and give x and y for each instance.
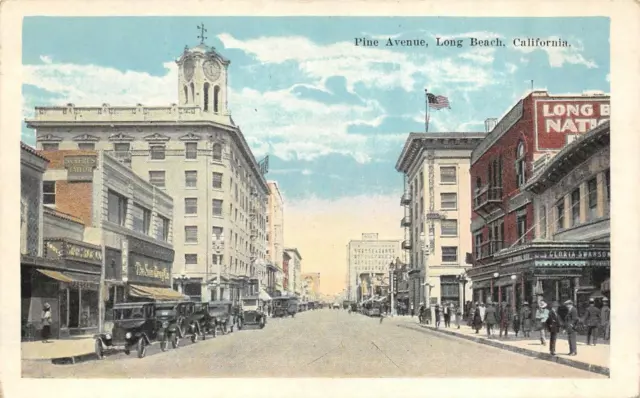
(72, 350)
(591, 358)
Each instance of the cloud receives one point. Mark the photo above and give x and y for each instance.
(46, 59)
(558, 56)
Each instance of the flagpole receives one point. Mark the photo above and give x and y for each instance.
(426, 120)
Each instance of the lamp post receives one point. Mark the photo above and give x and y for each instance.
(495, 276)
(513, 293)
(392, 269)
(424, 245)
(462, 278)
(181, 279)
(218, 247)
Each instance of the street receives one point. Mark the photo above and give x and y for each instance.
(320, 343)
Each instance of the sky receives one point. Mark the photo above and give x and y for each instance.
(332, 116)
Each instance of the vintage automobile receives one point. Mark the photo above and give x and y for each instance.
(252, 312)
(222, 317)
(177, 320)
(292, 306)
(280, 306)
(134, 327)
(201, 316)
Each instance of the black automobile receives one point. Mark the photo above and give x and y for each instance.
(280, 307)
(176, 322)
(222, 317)
(252, 312)
(134, 327)
(201, 318)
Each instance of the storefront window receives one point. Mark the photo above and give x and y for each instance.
(89, 308)
(64, 313)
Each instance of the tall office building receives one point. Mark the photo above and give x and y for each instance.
(198, 155)
(275, 234)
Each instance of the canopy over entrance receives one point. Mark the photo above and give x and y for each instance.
(155, 293)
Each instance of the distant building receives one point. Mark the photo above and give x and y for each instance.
(294, 271)
(311, 286)
(275, 234)
(368, 269)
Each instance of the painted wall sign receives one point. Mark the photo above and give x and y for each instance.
(80, 167)
(557, 119)
(150, 250)
(148, 270)
(68, 250)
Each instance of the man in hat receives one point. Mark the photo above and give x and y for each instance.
(605, 316)
(490, 318)
(592, 321)
(505, 318)
(553, 325)
(571, 323)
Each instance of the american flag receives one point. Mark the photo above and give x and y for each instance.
(437, 101)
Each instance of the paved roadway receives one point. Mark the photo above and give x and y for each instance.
(320, 343)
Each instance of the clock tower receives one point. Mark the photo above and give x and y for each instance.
(202, 79)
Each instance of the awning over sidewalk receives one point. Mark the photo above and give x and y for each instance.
(264, 295)
(155, 293)
(70, 276)
(59, 276)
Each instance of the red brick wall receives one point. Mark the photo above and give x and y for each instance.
(73, 198)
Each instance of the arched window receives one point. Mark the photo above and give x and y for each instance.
(206, 97)
(478, 183)
(520, 169)
(216, 99)
(193, 93)
(217, 152)
(186, 95)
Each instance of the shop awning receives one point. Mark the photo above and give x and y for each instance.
(59, 276)
(155, 293)
(264, 295)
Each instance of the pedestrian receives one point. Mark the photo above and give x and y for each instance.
(505, 319)
(605, 316)
(458, 316)
(541, 317)
(421, 313)
(516, 322)
(592, 321)
(571, 324)
(525, 319)
(446, 314)
(46, 323)
(412, 311)
(437, 311)
(553, 324)
(477, 318)
(490, 318)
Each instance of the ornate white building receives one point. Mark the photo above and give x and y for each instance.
(195, 151)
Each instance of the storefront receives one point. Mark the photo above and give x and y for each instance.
(149, 272)
(67, 278)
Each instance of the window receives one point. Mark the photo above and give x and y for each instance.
(157, 152)
(448, 175)
(521, 223)
(449, 201)
(520, 165)
(217, 232)
(191, 179)
(449, 288)
(191, 150)
(121, 147)
(49, 192)
(216, 152)
(560, 214)
(449, 227)
(86, 146)
(542, 220)
(141, 219)
(162, 232)
(206, 97)
(50, 147)
(191, 234)
(216, 207)
(216, 180)
(478, 245)
(157, 178)
(592, 189)
(190, 206)
(193, 92)
(190, 259)
(449, 254)
(420, 181)
(186, 95)
(216, 99)
(575, 207)
(116, 208)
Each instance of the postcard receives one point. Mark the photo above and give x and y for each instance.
(306, 198)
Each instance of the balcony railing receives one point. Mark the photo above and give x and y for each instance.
(405, 199)
(406, 245)
(406, 221)
(488, 248)
(487, 198)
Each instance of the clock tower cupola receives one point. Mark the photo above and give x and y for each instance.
(202, 77)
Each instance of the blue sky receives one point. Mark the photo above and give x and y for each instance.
(333, 117)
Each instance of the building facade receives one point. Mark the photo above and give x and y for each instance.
(311, 286)
(195, 153)
(275, 234)
(437, 203)
(368, 265)
(294, 271)
(517, 148)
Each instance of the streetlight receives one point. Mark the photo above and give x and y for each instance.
(462, 278)
(182, 279)
(495, 276)
(392, 270)
(513, 288)
(218, 247)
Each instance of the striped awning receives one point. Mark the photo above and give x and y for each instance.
(155, 293)
(59, 276)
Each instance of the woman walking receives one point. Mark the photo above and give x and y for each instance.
(525, 319)
(46, 323)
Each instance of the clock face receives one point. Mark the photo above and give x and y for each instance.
(188, 69)
(211, 70)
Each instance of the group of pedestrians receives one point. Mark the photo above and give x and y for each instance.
(543, 320)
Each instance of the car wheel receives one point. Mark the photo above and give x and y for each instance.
(99, 350)
(262, 324)
(142, 348)
(164, 343)
(175, 340)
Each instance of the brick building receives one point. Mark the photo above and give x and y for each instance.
(517, 147)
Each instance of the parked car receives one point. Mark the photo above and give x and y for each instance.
(252, 312)
(280, 307)
(222, 317)
(134, 327)
(177, 322)
(201, 318)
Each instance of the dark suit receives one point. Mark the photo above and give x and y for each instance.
(571, 324)
(553, 324)
(592, 320)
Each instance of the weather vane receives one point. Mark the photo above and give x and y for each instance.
(202, 37)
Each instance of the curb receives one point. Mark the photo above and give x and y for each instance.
(540, 355)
